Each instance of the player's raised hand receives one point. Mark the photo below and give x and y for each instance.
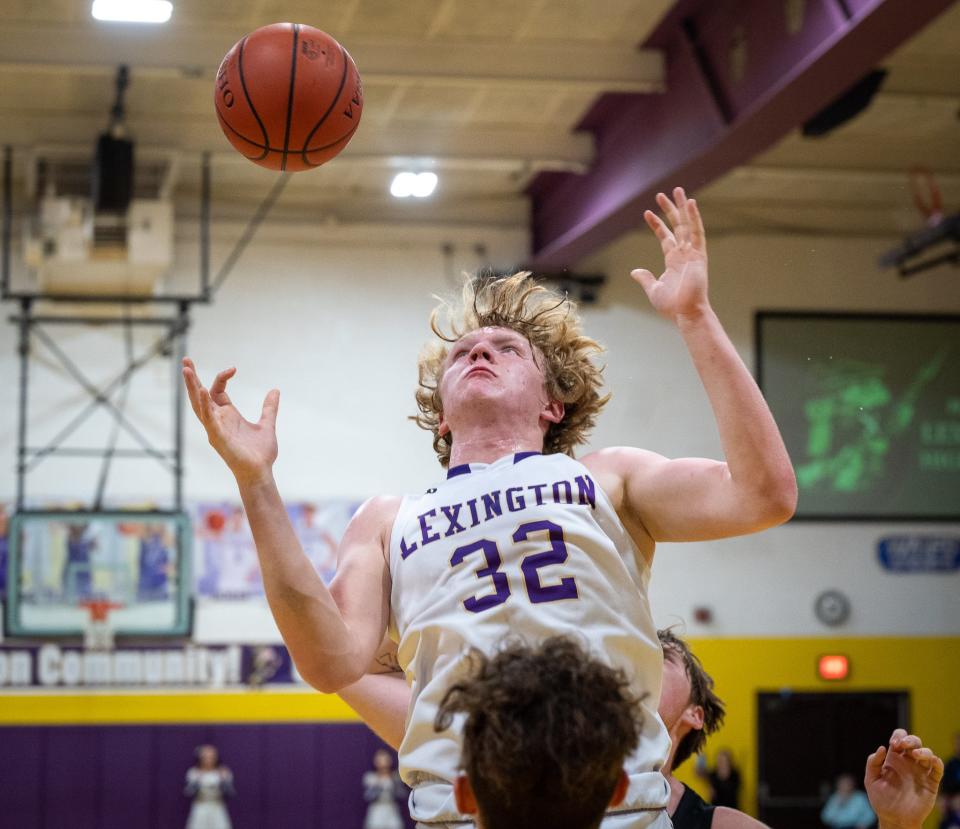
(902, 781)
(249, 449)
(681, 289)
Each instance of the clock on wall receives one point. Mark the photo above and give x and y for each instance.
(832, 607)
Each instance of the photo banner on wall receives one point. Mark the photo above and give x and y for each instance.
(225, 562)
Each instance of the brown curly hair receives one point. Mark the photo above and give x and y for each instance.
(701, 693)
(546, 734)
(550, 323)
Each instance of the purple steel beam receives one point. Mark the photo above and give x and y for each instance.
(716, 113)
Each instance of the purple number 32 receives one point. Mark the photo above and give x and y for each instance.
(538, 592)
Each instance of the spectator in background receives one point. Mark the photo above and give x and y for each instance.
(724, 779)
(949, 800)
(381, 788)
(950, 812)
(951, 770)
(209, 783)
(847, 807)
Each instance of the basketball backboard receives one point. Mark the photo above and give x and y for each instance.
(60, 562)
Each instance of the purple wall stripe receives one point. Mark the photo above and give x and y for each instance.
(115, 777)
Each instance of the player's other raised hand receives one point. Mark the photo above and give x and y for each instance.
(681, 290)
(249, 449)
(902, 781)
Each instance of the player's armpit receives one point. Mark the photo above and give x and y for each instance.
(385, 661)
(684, 499)
(726, 818)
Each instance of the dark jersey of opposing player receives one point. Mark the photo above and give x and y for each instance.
(692, 812)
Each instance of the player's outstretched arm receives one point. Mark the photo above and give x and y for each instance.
(332, 634)
(695, 498)
(902, 781)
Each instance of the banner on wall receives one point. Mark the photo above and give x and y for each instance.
(225, 559)
(225, 564)
(52, 665)
(919, 553)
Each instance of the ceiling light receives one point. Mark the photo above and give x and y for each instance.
(424, 184)
(419, 185)
(133, 11)
(402, 185)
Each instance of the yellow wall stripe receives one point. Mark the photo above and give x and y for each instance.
(113, 708)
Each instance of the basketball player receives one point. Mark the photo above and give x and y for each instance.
(520, 537)
(546, 732)
(690, 710)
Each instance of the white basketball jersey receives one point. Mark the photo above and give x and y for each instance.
(526, 546)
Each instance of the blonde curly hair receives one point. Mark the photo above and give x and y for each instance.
(549, 321)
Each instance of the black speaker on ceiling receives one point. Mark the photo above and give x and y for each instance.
(854, 101)
(112, 174)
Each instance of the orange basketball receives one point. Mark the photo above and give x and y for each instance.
(288, 97)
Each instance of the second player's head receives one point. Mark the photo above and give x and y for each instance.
(560, 356)
(546, 734)
(689, 707)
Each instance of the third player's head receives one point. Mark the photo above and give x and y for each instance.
(689, 707)
(539, 365)
(546, 734)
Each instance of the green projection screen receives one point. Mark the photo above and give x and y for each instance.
(869, 407)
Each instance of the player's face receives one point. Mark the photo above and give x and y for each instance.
(674, 691)
(493, 365)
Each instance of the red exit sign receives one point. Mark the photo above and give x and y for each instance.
(833, 666)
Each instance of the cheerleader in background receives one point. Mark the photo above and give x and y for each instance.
(381, 788)
(209, 784)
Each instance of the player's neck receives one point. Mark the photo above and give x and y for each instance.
(676, 791)
(485, 445)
